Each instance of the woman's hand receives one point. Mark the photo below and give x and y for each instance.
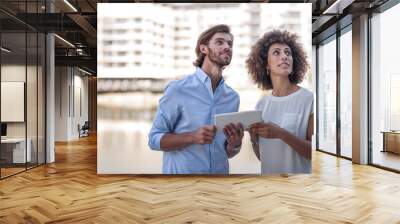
(253, 131)
(253, 134)
(267, 130)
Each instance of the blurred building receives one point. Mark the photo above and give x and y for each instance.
(135, 44)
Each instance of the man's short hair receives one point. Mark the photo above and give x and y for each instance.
(205, 37)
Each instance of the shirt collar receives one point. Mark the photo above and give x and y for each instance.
(203, 77)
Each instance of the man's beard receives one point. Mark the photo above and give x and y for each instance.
(218, 61)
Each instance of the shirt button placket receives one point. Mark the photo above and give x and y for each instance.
(212, 111)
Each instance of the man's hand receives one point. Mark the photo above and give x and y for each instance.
(204, 135)
(267, 130)
(234, 134)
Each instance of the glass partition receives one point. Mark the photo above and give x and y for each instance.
(31, 100)
(22, 77)
(32, 86)
(13, 95)
(41, 107)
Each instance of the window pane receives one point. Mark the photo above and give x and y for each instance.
(345, 94)
(327, 97)
(386, 89)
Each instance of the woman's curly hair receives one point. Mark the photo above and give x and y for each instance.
(258, 58)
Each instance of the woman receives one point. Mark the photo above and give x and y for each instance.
(282, 141)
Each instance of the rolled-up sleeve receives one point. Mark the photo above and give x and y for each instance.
(166, 116)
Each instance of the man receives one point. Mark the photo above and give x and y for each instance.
(183, 127)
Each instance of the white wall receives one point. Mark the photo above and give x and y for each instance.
(15, 73)
(70, 83)
(80, 110)
(12, 101)
(61, 103)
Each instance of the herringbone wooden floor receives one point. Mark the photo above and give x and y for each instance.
(70, 191)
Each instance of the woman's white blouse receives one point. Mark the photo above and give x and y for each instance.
(292, 113)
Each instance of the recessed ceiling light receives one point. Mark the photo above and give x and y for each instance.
(338, 6)
(5, 50)
(70, 5)
(86, 72)
(64, 40)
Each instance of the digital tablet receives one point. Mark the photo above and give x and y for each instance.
(245, 117)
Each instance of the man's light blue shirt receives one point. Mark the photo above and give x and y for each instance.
(187, 105)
